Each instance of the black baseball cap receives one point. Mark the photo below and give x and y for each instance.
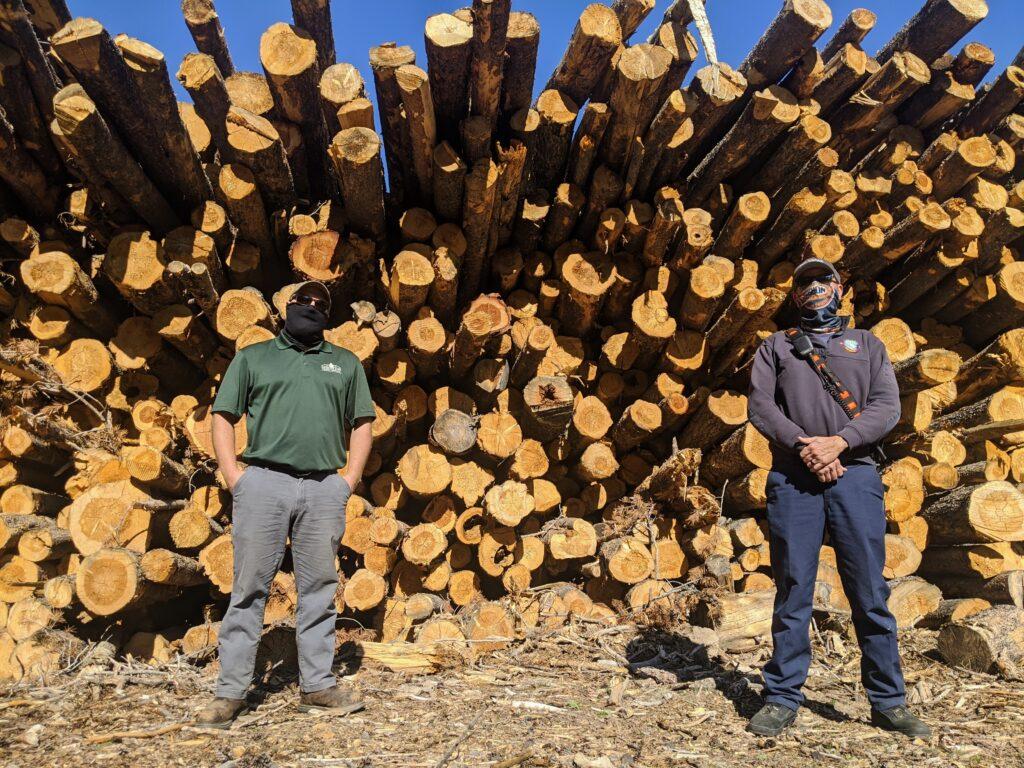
(313, 288)
(817, 265)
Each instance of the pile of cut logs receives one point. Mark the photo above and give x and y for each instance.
(556, 300)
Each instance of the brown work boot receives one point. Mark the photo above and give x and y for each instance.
(220, 712)
(340, 699)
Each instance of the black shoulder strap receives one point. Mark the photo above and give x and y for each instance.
(805, 349)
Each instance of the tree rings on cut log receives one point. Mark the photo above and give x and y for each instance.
(992, 511)
(627, 560)
(323, 256)
(424, 471)
(85, 365)
(423, 544)
(454, 432)
(240, 309)
(499, 435)
(365, 590)
(570, 538)
(217, 559)
(489, 626)
(109, 581)
(509, 503)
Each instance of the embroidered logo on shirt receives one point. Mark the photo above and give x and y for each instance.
(851, 345)
(331, 368)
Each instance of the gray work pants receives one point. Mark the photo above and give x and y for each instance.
(270, 507)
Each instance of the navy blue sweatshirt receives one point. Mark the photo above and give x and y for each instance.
(787, 399)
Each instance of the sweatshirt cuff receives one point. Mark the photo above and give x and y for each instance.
(788, 438)
(852, 437)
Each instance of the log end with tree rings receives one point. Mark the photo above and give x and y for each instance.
(569, 539)
(240, 309)
(498, 435)
(489, 626)
(897, 337)
(217, 560)
(341, 84)
(530, 461)
(423, 544)
(109, 581)
(549, 404)
(627, 560)
(509, 503)
(424, 471)
(84, 365)
(454, 432)
(365, 590)
(323, 256)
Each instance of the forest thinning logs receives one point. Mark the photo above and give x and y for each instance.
(556, 301)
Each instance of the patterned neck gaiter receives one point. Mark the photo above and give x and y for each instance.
(819, 303)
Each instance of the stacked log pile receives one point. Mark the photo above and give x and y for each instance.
(556, 300)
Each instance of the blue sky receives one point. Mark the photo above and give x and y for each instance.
(737, 24)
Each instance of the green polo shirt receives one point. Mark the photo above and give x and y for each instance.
(299, 405)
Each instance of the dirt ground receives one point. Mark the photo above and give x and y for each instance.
(581, 697)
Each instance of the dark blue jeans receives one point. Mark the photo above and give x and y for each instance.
(799, 508)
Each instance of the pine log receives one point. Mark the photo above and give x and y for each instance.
(478, 209)
(163, 566)
(744, 450)
(314, 16)
(791, 33)
(204, 24)
(148, 70)
(487, 61)
(764, 119)
(43, 79)
(414, 86)
(682, 45)
(977, 513)
(385, 61)
(638, 76)
(954, 611)
(597, 36)
(83, 126)
(911, 599)
(449, 47)
(854, 28)
(356, 156)
(520, 65)
(998, 100)
(935, 28)
(987, 641)
(111, 581)
(290, 56)
(24, 115)
(88, 49)
(1001, 311)
(739, 621)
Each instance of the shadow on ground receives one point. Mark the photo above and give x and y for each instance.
(659, 653)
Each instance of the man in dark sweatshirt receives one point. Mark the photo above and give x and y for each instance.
(824, 477)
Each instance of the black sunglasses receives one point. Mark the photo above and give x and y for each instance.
(804, 280)
(311, 301)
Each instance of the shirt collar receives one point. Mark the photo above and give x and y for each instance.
(284, 340)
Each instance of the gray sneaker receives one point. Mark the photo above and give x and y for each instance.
(771, 720)
(901, 720)
(220, 713)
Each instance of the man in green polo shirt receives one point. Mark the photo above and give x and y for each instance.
(308, 415)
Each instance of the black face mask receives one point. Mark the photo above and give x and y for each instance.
(305, 324)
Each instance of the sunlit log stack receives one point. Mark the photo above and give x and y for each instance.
(556, 299)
